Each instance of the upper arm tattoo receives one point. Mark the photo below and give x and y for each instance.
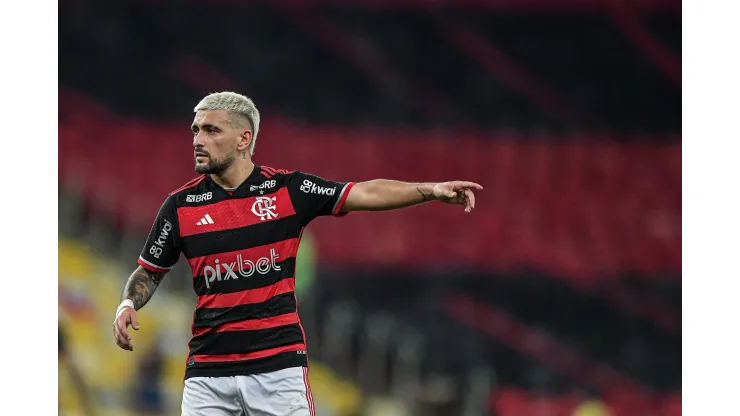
(141, 286)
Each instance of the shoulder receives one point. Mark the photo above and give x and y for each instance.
(270, 172)
(285, 174)
(189, 186)
(195, 190)
(277, 177)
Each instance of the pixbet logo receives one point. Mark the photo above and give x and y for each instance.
(264, 207)
(156, 248)
(311, 188)
(240, 267)
(199, 198)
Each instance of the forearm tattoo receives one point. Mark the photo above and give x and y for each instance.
(141, 286)
(423, 195)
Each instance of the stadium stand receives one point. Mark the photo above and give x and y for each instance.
(623, 210)
(560, 295)
(400, 67)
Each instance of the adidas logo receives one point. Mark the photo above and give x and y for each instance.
(205, 220)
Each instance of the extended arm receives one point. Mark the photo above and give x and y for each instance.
(386, 194)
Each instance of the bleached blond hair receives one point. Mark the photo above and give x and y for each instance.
(234, 103)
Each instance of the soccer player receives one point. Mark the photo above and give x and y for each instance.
(239, 226)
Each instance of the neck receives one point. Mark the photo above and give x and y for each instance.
(234, 175)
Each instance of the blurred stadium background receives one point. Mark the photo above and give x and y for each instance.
(560, 295)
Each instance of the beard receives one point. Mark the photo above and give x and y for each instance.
(215, 166)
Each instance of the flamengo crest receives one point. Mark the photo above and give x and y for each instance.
(264, 207)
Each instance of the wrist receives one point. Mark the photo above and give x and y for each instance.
(127, 303)
(427, 191)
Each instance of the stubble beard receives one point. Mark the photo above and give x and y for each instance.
(215, 167)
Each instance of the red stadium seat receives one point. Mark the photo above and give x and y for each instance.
(577, 209)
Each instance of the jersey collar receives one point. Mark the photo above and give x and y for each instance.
(253, 177)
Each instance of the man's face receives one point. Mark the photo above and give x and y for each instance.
(215, 141)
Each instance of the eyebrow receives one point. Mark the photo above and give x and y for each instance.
(205, 126)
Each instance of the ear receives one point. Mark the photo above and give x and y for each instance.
(245, 139)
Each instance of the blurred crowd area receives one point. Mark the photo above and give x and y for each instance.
(559, 295)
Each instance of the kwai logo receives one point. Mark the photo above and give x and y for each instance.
(240, 267)
(311, 188)
(156, 249)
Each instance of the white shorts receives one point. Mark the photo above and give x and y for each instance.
(279, 393)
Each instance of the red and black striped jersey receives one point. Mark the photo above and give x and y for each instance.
(241, 246)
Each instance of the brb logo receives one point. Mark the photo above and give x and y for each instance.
(311, 188)
(264, 185)
(199, 198)
(240, 268)
(264, 207)
(156, 249)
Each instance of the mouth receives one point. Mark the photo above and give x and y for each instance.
(197, 155)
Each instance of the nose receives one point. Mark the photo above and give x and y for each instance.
(198, 140)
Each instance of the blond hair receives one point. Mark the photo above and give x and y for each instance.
(236, 104)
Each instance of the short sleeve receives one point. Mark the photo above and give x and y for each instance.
(161, 251)
(314, 196)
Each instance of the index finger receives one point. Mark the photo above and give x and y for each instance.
(121, 341)
(122, 325)
(471, 199)
(464, 184)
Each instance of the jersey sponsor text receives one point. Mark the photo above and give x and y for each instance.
(199, 198)
(156, 248)
(240, 268)
(311, 188)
